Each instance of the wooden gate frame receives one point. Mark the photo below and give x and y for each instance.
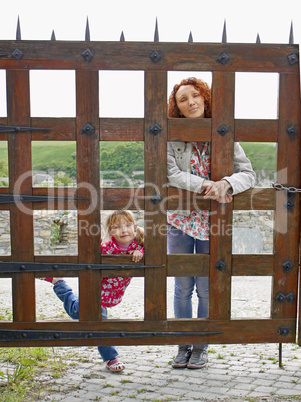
(155, 129)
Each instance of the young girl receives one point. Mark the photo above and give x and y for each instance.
(125, 237)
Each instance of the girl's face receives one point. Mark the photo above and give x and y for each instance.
(123, 231)
(190, 102)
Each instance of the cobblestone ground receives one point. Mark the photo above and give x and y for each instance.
(234, 372)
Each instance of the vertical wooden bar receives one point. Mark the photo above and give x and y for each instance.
(222, 149)
(287, 225)
(88, 179)
(20, 182)
(155, 156)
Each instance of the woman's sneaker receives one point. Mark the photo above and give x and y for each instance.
(182, 358)
(198, 359)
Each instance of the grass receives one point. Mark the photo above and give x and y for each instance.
(21, 380)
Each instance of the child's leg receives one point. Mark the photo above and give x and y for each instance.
(71, 306)
(66, 295)
(107, 352)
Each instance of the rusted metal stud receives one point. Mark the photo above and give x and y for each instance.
(18, 32)
(53, 36)
(258, 39)
(22, 267)
(284, 331)
(190, 39)
(287, 266)
(280, 297)
(156, 36)
(293, 58)
(156, 198)
(220, 265)
(291, 297)
(88, 129)
(291, 130)
(155, 129)
(222, 130)
(155, 56)
(87, 55)
(224, 37)
(17, 54)
(291, 37)
(87, 34)
(122, 37)
(223, 58)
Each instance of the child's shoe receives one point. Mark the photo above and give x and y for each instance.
(115, 365)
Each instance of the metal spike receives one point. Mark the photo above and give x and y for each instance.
(122, 37)
(18, 32)
(224, 37)
(190, 39)
(258, 39)
(87, 35)
(53, 36)
(156, 37)
(291, 39)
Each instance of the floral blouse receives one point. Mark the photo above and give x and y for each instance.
(112, 289)
(196, 224)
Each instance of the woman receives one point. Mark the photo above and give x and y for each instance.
(188, 167)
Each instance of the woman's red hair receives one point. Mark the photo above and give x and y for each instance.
(201, 86)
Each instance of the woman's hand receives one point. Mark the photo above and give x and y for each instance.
(217, 190)
(137, 255)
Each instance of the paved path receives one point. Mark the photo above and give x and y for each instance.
(234, 372)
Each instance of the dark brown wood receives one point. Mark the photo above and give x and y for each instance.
(61, 129)
(234, 331)
(221, 214)
(252, 265)
(121, 129)
(259, 198)
(287, 224)
(188, 265)
(136, 56)
(88, 179)
(122, 198)
(155, 174)
(189, 129)
(256, 130)
(185, 200)
(20, 182)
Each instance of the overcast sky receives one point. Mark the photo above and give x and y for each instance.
(107, 19)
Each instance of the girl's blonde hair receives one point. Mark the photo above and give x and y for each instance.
(115, 217)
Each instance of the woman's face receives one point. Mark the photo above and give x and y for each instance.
(190, 102)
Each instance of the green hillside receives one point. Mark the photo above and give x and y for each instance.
(118, 156)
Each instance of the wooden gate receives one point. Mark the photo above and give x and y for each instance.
(19, 129)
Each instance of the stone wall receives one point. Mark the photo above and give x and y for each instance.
(56, 232)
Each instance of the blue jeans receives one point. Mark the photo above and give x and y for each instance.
(179, 242)
(71, 306)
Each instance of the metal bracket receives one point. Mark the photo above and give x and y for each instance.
(155, 129)
(21, 129)
(287, 265)
(156, 56)
(290, 297)
(220, 265)
(87, 55)
(15, 198)
(9, 267)
(33, 335)
(222, 130)
(223, 58)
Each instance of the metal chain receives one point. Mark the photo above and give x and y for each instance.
(279, 186)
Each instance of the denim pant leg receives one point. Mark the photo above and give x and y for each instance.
(71, 306)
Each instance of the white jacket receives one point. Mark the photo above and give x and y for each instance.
(179, 169)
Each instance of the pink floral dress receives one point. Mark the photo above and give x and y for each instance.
(112, 289)
(196, 224)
